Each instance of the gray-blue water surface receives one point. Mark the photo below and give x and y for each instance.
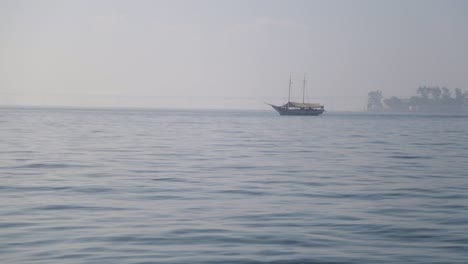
(161, 186)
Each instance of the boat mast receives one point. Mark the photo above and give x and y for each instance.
(303, 88)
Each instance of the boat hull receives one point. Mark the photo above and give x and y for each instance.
(298, 112)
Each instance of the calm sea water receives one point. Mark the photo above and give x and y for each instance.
(160, 186)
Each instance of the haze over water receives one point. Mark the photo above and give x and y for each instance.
(163, 186)
(231, 54)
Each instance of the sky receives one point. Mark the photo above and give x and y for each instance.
(224, 54)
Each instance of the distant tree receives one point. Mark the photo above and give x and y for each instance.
(374, 101)
(446, 96)
(395, 103)
(436, 93)
(417, 100)
(460, 96)
(429, 95)
(428, 98)
(423, 91)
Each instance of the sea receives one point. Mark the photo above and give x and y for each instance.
(224, 186)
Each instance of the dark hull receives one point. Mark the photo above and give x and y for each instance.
(298, 112)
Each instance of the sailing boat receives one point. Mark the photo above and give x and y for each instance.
(295, 108)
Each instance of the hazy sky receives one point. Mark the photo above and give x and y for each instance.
(227, 54)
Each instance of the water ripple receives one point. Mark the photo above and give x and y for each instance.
(159, 186)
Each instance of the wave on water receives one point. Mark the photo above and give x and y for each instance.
(144, 186)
